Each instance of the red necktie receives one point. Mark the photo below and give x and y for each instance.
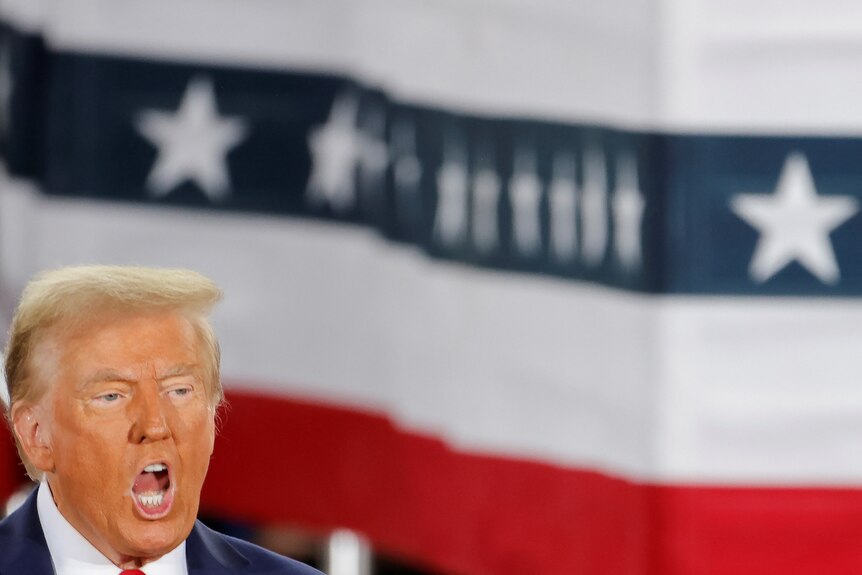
(132, 572)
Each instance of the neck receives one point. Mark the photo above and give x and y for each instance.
(131, 562)
(121, 561)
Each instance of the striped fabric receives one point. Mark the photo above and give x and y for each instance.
(525, 287)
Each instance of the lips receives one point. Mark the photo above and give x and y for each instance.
(153, 490)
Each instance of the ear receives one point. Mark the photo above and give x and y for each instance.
(31, 427)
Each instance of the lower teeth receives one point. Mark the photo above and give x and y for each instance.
(153, 500)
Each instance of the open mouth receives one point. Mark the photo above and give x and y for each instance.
(152, 491)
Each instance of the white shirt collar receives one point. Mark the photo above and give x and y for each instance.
(74, 555)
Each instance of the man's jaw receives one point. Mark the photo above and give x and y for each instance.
(153, 490)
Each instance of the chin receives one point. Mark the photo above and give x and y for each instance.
(155, 539)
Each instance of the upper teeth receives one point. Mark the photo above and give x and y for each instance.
(153, 467)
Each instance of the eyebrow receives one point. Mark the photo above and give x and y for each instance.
(110, 374)
(104, 375)
(178, 370)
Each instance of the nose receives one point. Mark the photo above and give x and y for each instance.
(148, 418)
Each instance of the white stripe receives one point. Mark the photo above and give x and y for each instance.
(667, 389)
(761, 390)
(510, 58)
(25, 15)
(676, 65)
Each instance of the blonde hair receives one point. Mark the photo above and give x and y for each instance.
(68, 296)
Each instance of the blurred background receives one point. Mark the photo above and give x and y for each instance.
(546, 286)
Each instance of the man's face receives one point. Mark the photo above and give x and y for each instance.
(131, 432)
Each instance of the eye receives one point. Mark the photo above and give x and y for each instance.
(109, 397)
(181, 391)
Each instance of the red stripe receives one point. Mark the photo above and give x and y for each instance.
(12, 474)
(322, 466)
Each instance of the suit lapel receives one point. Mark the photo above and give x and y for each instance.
(23, 550)
(208, 552)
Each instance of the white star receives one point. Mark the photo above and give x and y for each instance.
(594, 212)
(486, 187)
(563, 198)
(193, 143)
(794, 224)
(628, 208)
(525, 193)
(407, 174)
(450, 222)
(337, 149)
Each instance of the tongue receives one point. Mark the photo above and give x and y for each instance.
(146, 482)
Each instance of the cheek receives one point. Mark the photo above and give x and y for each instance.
(85, 442)
(196, 431)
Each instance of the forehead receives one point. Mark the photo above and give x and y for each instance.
(118, 340)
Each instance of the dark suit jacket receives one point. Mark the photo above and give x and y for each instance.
(23, 550)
